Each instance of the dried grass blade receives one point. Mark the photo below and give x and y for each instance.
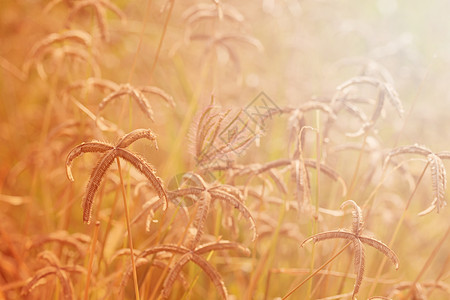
(146, 169)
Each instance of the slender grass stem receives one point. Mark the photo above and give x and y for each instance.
(141, 38)
(166, 269)
(396, 230)
(91, 259)
(130, 239)
(316, 271)
(428, 262)
(163, 35)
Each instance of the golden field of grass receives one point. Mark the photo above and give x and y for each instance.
(216, 149)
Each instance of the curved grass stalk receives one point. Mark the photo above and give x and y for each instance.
(193, 96)
(166, 269)
(315, 220)
(428, 262)
(316, 271)
(267, 258)
(158, 50)
(358, 240)
(358, 164)
(108, 229)
(141, 37)
(396, 230)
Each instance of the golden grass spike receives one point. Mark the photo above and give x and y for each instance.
(410, 149)
(79, 53)
(162, 265)
(94, 183)
(100, 13)
(135, 135)
(44, 272)
(359, 264)
(355, 111)
(77, 36)
(159, 92)
(203, 11)
(443, 154)
(34, 281)
(154, 204)
(358, 240)
(232, 200)
(50, 258)
(123, 252)
(419, 290)
(172, 248)
(201, 128)
(383, 248)
(387, 87)
(127, 274)
(332, 234)
(93, 147)
(212, 274)
(310, 163)
(111, 153)
(195, 179)
(357, 224)
(157, 263)
(204, 203)
(276, 177)
(221, 245)
(138, 96)
(147, 170)
(439, 180)
(438, 173)
(39, 48)
(99, 83)
(207, 130)
(174, 273)
(184, 192)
